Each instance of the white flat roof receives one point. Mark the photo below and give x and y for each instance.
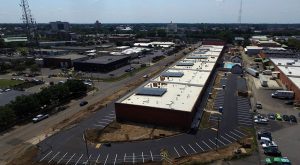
(182, 92)
(290, 67)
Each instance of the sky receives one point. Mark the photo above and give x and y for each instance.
(154, 11)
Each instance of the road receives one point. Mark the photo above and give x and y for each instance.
(19, 136)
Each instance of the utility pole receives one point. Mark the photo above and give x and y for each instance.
(86, 145)
(240, 13)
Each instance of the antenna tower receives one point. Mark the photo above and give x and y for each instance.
(240, 12)
(28, 20)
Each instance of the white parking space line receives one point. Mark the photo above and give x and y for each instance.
(143, 157)
(99, 125)
(212, 142)
(248, 124)
(151, 155)
(235, 134)
(62, 158)
(101, 122)
(244, 117)
(109, 120)
(206, 144)
(133, 158)
(220, 141)
(199, 146)
(176, 151)
(45, 156)
(124, 158)
(79, 159)
(246, 121)
(110, 117)
(97, 159)
(231, 137)
(53, 157)
(226, 139)
(239, 132)
(87, 161)
(70, 158)
(193, 149)
(184, 150)
(106, 159)
(115, 159)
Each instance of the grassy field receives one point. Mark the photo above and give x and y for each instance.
(4, 83)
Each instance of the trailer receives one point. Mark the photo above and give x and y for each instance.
(263, 80)
(252, 72)
(283, 94)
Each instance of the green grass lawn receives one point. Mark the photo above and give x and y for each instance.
(4, 83)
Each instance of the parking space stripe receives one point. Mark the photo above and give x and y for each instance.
(70, 158)
(97, 159)
(115, 159)
(79, 159)
(125, 157)
(199, 146)
(45, 156)
(231, 137)
(220, 141)
(239, 132)
(151, 155)
(176, 151)
(133, 158)
(110, 117)
(184, 150)
(101, 122)
(235, 134)
(53, 157)
(212, 142)
(226, 139)
(206, 144)
(143, 157)
(87, 161)
(62, 158)
(99, 125)
(193, 149)
(106, 159)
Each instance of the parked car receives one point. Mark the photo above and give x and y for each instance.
(278, 116)
(285, 117)
(261, 121)
(269, 144)
(289, 102)
(278, 161)
(271, 151)
(129, 69)
(83, 103)
(146, 76)
(271, 116)
(293, 119)
(258, 105)
(266, 134)
(39, 118)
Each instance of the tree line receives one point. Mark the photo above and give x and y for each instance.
(24, 108)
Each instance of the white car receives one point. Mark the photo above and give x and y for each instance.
(261, 121)
(271, 144)
(40, 117)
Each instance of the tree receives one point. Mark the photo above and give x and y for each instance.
(7, 117)
(19, 68)
(76, 86)
(25, 106)
(35, 68)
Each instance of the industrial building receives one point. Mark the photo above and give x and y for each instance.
(171, 98)
(64, 61)
(102, 64)
(289, 73)
(60, 26)
(279, 53)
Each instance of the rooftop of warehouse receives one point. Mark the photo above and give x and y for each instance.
(70, 56)
(105, 59)
(183, 84)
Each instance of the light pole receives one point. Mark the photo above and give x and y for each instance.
(86, 145)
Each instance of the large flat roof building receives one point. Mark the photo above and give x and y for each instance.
(64, 61)
(170, 99)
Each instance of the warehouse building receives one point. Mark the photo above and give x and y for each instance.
(102, 64)
(64, 61)
(289, 73)
(171, 98)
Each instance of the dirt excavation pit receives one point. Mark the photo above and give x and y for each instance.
(121, 132)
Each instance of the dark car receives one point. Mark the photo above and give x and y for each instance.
(83, 103)
(285, 117)
(289, 102)
(258, 105)
(271, 116)
(272, 151)
(264, 134)
(293, 119)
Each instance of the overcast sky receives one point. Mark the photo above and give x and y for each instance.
(154, 11)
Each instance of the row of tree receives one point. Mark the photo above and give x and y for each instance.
(23, 108)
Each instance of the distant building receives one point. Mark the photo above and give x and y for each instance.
(60, 26)
(15, 39)
(172, 27)
(65, 61)
(102, 64)
(279, 53)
